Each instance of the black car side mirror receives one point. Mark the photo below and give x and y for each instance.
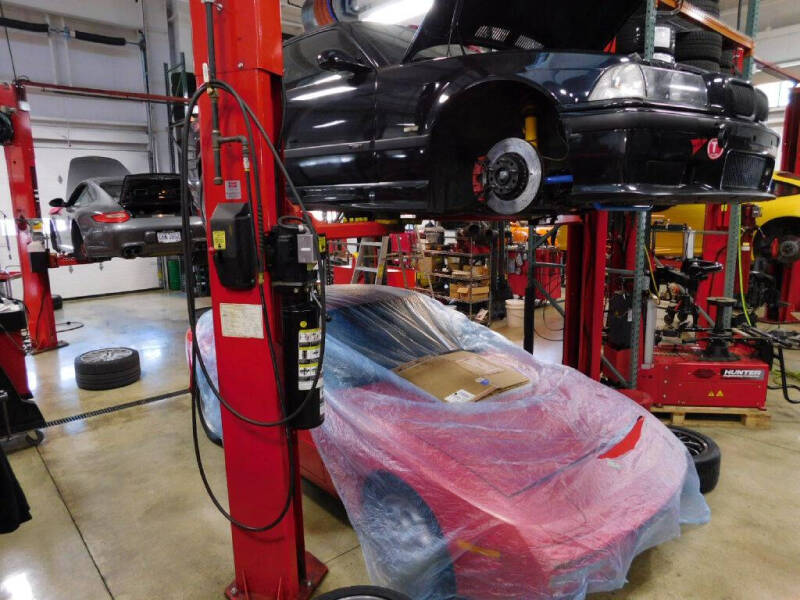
(57, 203)
(337, 60)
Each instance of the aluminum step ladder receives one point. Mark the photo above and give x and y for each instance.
(371, 263)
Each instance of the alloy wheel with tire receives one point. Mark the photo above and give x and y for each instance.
(107, 369)
(363, 592)
(705, 454)
(404, 540)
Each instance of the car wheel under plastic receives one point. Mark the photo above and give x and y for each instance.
(363, 592)
(409, 532)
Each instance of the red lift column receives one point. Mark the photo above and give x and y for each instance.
(585, 302)
(271, 565)
(21, 166)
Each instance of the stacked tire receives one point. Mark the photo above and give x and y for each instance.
(700, 49)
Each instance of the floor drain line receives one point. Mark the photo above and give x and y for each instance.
(113, 409)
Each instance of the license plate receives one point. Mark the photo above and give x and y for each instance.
(168, 237)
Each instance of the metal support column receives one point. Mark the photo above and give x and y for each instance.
(735, 225)
(650, 28)
(639, 283)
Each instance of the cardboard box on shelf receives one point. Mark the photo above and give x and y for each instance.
(473, 293)
(453, 262)
(460, 376)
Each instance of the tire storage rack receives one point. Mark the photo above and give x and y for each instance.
(680, 38)
(684, 16)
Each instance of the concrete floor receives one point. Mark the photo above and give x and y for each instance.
(119, 510)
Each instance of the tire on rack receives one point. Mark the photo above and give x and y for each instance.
(699, 45)
(405, 537)
(726, 59)
(705, 65)
(705, 454)
(363, 592)
(107, 369)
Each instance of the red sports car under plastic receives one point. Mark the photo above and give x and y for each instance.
(548, 490)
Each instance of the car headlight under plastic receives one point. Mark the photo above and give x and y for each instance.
(651, 83)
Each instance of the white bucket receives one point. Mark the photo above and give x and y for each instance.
(515, 313)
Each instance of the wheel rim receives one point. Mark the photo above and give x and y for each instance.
(513, 176)
(363, 597)
(695, 445)
(106, 355)
(409, 526)
(410, 537)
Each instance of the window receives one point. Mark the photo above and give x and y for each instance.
(300, 57)
(781, 188)
(392, 41)
(777, 92)
(78, 197)
(113, 189)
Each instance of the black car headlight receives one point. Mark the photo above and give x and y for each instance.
(651, 83)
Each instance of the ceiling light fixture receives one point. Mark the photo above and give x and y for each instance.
(397, 11)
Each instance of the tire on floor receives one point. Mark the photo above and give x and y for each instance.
(107, 369)
(705, 454)
(365, 592)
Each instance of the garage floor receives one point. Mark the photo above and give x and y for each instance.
(119, 510)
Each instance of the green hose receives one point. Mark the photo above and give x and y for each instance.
(741, 283)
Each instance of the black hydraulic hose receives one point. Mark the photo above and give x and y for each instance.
(197, 356)
(99, 39)
(24, 25)
(785, 386)
(186, 204)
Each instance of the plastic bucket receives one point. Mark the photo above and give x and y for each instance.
(515, 313)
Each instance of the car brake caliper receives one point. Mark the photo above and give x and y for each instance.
(479, 178)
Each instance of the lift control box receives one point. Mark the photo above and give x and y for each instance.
(233, 244)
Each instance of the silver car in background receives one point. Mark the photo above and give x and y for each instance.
(130, 217)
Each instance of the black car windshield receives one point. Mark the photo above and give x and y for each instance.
(393, 42)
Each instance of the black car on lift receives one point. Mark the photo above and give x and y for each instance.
(392, 119)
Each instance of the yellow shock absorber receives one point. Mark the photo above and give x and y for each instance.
(532, 130)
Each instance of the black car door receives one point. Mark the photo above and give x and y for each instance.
(330, 111)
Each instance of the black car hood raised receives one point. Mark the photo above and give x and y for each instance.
(552, 24)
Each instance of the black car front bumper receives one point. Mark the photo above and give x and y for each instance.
(640, 155)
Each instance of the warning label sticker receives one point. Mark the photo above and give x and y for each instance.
(233, 189)
(241, 321)
(219, 240)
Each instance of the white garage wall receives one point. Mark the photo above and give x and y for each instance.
(66, 127)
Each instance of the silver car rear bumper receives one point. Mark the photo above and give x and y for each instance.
(139, 237)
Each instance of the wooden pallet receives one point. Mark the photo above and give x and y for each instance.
(713, 416)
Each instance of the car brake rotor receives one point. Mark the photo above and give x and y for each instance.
(789, 249)
(512, 176)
